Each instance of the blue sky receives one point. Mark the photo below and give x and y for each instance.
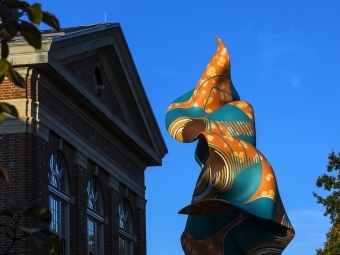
(284, 61)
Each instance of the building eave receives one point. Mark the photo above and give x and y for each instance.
(55, 48)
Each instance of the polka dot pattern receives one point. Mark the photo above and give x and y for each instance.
(235, 176)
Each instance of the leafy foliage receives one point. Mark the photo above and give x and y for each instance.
(11, 12)
(330, 183)
(332, 245)
(46, 241)
(332, 203)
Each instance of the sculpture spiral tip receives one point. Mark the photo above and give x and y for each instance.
(236, 189)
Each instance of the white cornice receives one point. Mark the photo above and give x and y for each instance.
(24, 54)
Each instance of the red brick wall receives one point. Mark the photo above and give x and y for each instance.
(16, 152)
(15, 155)
(10, 91)
(138, 220)
(28, 171)
(83, 70)
(85, 130)
(26, 157)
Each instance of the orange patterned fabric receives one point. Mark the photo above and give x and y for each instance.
(236, 194)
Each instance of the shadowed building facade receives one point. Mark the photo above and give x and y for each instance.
(85, 134)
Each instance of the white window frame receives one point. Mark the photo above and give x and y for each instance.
(126, 234)
(63, 200)
(98, 236)
(98, 221)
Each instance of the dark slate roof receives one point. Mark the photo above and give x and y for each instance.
(51, 33)
(74, 29)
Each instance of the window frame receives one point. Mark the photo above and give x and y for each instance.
(98, 234)
(63, 200)
(126, 234)
(97, 218)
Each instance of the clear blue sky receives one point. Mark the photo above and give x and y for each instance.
(285, 62)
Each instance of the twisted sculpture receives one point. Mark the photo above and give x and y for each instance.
(236, 208)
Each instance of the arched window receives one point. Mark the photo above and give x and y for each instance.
(125, 229)
(124, 216)
(59, 199)
(99, 82)
(92, 196)
(56, 173)
(95, 219)
(98, 76)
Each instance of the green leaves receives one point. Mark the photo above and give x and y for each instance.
(10, 11)
(330, 181)
(334, 162)
(9, 109)
(47, 242)
(3, 66)
(17, 4)
(35, 13)
(28, 30)
(16, 209)
(4, 174)
(44, 243)
(51, 20)
(7, 69)
(58, 246)
(30, 33)
(12, 29)
(6, 212)
(15, 77)
(4, 49)
(39, 213)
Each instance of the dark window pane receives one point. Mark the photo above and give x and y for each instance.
(55, 211)
(91, 235)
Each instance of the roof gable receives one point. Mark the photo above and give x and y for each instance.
(73, 58)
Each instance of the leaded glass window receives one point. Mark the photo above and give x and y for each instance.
(95, 220)
(123, 216)
(93, 199)
(124, 246)
(58, 220)
(91, 236)
(56, 174)
(125, 232)
(59, 199)
(55, 211)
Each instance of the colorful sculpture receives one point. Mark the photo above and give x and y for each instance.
(236, 207)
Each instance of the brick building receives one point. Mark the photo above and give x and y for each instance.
(85, 134)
